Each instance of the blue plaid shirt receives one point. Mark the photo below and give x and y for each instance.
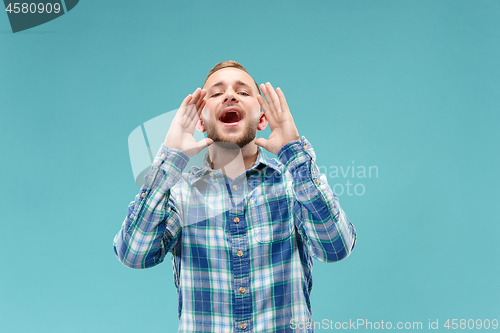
(241, 249)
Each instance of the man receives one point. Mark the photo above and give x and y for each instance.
(243, 228)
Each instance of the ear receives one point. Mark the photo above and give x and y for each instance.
(262, 122)
(200, 126)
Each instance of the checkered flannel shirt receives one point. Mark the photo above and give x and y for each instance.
(241, 249)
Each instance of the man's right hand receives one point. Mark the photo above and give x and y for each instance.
(180, 134)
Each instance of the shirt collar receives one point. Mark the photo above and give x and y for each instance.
(196, 173)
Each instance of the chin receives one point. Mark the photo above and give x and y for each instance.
(240, 139)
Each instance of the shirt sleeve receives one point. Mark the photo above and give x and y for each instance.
(318, 216)
(152, 225)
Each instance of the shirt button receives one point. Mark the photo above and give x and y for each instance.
(243, 326)
(239, 253)
(211, 173)
(242, 290)
(305, 147)
(143, 194)
(162, 155)
(252, 201)
(318, 182)
(235, 187)
(236, 219)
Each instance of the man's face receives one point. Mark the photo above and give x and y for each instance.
(232, 112)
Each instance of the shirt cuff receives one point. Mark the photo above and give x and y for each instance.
(176, 157)
(166, 168)
(296, 153)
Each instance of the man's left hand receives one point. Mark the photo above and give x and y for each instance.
(279, 117)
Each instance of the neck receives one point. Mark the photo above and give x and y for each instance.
(232, 162)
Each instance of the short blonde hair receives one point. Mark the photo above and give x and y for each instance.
(229, 64)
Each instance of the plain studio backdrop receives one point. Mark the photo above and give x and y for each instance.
(408, 88)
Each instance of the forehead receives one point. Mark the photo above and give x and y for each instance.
(229, 76)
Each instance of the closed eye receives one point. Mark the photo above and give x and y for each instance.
(215, 95)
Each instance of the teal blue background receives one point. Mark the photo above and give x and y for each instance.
(411, 87)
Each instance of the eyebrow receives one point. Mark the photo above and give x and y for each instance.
(222, 83)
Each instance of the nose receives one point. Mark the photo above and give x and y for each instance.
(230, 97)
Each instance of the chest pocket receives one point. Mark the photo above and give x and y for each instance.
(271, 217)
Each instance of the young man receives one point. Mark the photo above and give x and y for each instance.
(243, 228)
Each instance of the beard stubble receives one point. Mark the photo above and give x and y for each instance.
(247, 136)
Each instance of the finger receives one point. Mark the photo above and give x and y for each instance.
(265, 92)
(196, 96)
(268, 101)
(192, 117)
(263, 103)
(273, 97)
(202, 106)
(203, 93)
(194, 112)
(192, 109)
(200, 99)
(197, 109)
(283, 104)
(265, 107)
(186, 100)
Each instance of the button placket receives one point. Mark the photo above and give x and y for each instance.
(240, 263)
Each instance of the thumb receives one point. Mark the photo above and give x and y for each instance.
(261, 142)
(208, 141)
(202, 144)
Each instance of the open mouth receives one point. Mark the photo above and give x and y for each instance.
(230, 117)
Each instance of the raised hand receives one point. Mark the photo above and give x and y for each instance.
(180, 134)
(279, 117)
